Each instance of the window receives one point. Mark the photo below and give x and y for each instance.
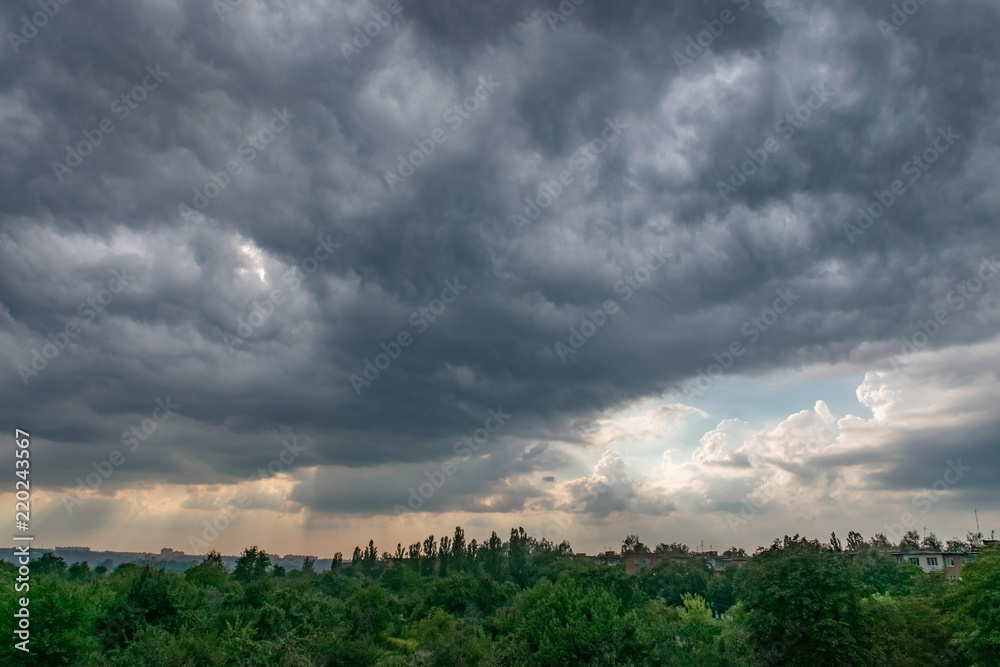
(915, 560)
(931, 560)
(950, 562)
(641, 561)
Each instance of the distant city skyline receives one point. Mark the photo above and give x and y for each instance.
(387, 549)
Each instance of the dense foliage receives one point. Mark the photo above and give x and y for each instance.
(516, 602)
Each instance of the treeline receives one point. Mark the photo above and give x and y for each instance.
(519, 601)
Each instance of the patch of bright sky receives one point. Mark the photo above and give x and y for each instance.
(765, 400)
(759, 402)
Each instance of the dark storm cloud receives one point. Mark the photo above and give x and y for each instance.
(454, 483)
(917, 459)
(323, 177)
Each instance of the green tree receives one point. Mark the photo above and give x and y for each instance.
(48, 563)
(957, 546)
(211, 572)
(370, 557)
(633, 545)
(625, 587)
(723, 587)
(458, 556)
(974, 541)
(472, 554)
(910, 541)
(880, 541)
(428, 556)
(977, 608)
(670, 579)
(413, 557)
(446, 642)
(854, 541)
(883, 573)
(61, 616)
(144, 596)
(906, 630)
(672, 549)
(366, 561)
(519, 557)
(682, 636)
(454, 593)
(251, 565)
(80, 573)
(371, 612)
(444, 555)
(566, 624)
(931, 543)
(251, 572)
(803, 606)
(491, 556)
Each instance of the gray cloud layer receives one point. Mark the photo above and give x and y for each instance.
(194, 276)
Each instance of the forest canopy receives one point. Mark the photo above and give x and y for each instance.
(520, 601)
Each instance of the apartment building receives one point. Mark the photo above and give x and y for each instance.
(936, 561)
(638, 561)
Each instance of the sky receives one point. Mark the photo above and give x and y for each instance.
(305, 274)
